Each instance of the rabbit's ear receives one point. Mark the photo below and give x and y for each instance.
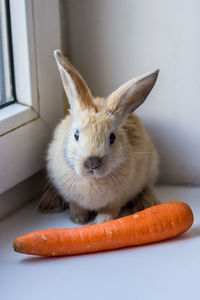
(130, 95)
(77, 91)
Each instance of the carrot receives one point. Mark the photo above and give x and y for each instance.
(153, 224)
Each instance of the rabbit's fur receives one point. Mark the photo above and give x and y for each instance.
(91, 173)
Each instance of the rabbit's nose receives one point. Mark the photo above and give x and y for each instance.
(93, 162)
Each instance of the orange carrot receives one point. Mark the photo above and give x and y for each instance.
(153, 224)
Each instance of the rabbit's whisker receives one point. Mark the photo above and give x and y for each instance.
(46, 193)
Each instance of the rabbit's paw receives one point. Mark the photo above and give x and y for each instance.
(79, 215)
(103, 217)
(80, 219)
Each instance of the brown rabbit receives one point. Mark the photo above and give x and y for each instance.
(101, 157)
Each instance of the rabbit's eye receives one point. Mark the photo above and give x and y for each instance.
(112, 138)
(76, 135)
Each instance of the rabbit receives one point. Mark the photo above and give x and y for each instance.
(101, 157)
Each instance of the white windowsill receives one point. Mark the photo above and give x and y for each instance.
(14, 116)
(165, 270)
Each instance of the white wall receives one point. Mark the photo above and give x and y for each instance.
(111, 41)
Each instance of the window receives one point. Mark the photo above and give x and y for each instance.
(6, 78)
(26, 125)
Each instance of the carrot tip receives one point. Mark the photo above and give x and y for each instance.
(17, 246)
(14, 246)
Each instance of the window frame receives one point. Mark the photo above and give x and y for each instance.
(26, 126)
(12, 98)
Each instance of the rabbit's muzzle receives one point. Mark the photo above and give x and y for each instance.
(93, 162)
